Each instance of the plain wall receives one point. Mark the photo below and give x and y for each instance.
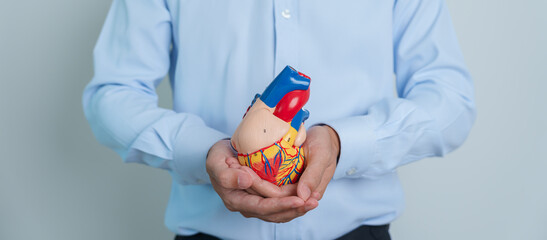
(57, 182)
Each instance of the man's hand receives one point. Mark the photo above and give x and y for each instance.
(321, 150)
(231, 182)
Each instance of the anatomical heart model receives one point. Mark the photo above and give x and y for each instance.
(270, 136)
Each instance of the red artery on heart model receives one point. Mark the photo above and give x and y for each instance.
(270, 136)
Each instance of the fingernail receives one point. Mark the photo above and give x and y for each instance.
(309, 207)
(242, 182)
(315, 195)
(297, 204)
(306, 192)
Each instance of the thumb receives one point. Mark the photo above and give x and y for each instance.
(233, 178)
(309, 181)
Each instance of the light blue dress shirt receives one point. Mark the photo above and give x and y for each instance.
(388, 76)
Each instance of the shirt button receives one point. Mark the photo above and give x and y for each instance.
(199, 181)
(351, 171)
(286, 13)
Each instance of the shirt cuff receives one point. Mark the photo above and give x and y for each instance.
(357, 146)
(190, 152)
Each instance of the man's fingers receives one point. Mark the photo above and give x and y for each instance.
(233, 184)
(217, 159)
(325, 180)
(317, 195)
(260, 206)
(251, 191)
(265, 188)
(232, 161)
(288, 215)
(310, 179)
(220, 172)
(233, 178)
(281, 217)
(289, 189)
(312, 203)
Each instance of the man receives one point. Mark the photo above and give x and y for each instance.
(220, 53)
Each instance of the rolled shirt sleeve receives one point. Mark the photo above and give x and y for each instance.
(131, 57)
(434, 110)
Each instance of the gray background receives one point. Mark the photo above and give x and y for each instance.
(57, 182)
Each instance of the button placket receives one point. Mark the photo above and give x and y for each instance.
(286, 47)
(285, 34)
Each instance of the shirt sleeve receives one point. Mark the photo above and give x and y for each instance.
(434, 110)
(131, 57)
